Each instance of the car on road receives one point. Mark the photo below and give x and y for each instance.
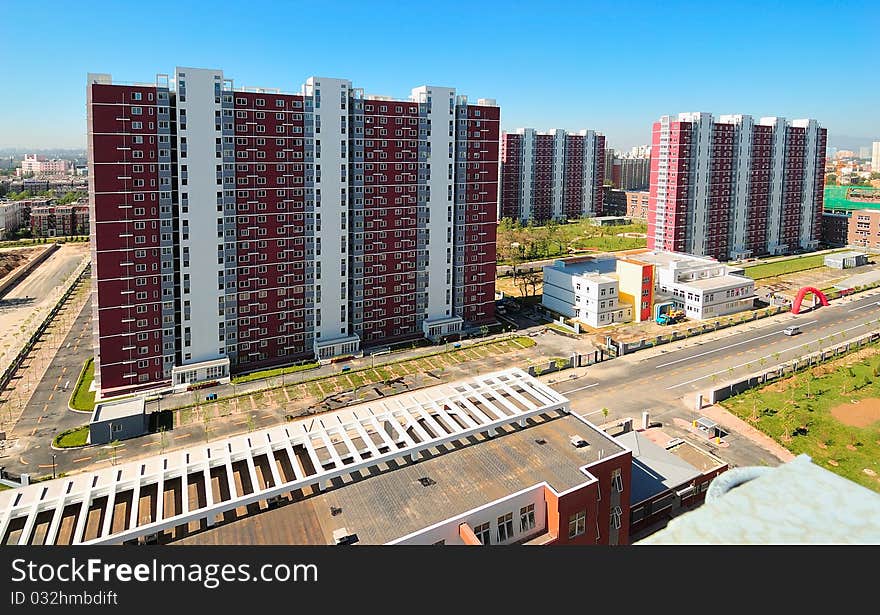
(792, 330)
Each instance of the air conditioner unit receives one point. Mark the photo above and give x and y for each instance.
(342, 537)
(578, 442)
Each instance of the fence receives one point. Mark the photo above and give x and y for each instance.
(575, 360)
(623, 348)
(791, 367)
(9, 372)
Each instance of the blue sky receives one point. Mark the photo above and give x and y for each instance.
(611, 66)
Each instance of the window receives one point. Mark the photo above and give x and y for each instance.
(527, 518)
(136, 111)
(482, 533)
(577, 524)
(505, 527)
(616, 513)
(617, 481)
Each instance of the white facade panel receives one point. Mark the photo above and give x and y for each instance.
(557, 208)
(527, 176)
(331, 204)
(441, 167)
(808, 194)
(197, 105)
(777, 177)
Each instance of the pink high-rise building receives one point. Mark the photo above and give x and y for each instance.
(734, 187)
(237, 228)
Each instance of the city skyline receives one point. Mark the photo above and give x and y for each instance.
(557, 83)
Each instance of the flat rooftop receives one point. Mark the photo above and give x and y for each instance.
(386, 502)
(664, 259)
(850, 254)
(112, 410)
(721, 281)
(657, 469)
(597, 266)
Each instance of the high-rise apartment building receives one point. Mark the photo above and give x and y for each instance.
(631, 172)
(733, 187)
(552, 175)
(236, 228)
(875, 156)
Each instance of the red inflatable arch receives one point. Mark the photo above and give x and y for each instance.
(796, 306)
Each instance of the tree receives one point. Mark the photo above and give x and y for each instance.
(605, 412)
(831, 179)
(529, 281)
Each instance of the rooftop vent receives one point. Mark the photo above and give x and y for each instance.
(540, 441)
(335, 510)
(342, 537)
(578, 442)
(427, 481)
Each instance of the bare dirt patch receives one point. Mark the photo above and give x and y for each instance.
(860, 414)
(12, 259)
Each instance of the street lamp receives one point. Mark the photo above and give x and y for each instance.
(53, 465)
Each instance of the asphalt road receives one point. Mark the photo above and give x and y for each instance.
(49, 274)
(665, 380)
(47, 413)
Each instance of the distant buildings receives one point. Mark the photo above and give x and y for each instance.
(632, 171)
(613, 201)
(40, 165)
(601, 292)
(637, 203)
(555, 175)
(60, 220)
(733, 187)
(864, 229)
(835, 228)
(875, 156)
(13, 215)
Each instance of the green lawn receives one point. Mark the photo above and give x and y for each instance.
(72, 437)
(82, 398)
(269, 373)
(517, 243)
(790, 265)
(797, 414)
(611, 243)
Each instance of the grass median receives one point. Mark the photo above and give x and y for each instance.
(83, 398)
(72, 438)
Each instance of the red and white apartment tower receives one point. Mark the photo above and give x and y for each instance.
(237, 228)
(555, 175)
(733, 187)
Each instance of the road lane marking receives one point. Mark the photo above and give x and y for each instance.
(862, 307)
(675, 386)
(81, 459)
(580, 388)
(183, 435)
(724, 348)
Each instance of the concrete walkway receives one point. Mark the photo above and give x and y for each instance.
(734, 423)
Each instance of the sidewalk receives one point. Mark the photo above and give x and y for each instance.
(734, 423)
(175, 400)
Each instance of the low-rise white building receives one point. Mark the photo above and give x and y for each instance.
(583, 291)
(702, 287)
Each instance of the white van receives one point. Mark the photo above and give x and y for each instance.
(792, 330)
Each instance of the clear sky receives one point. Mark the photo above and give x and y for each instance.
(612, 66)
